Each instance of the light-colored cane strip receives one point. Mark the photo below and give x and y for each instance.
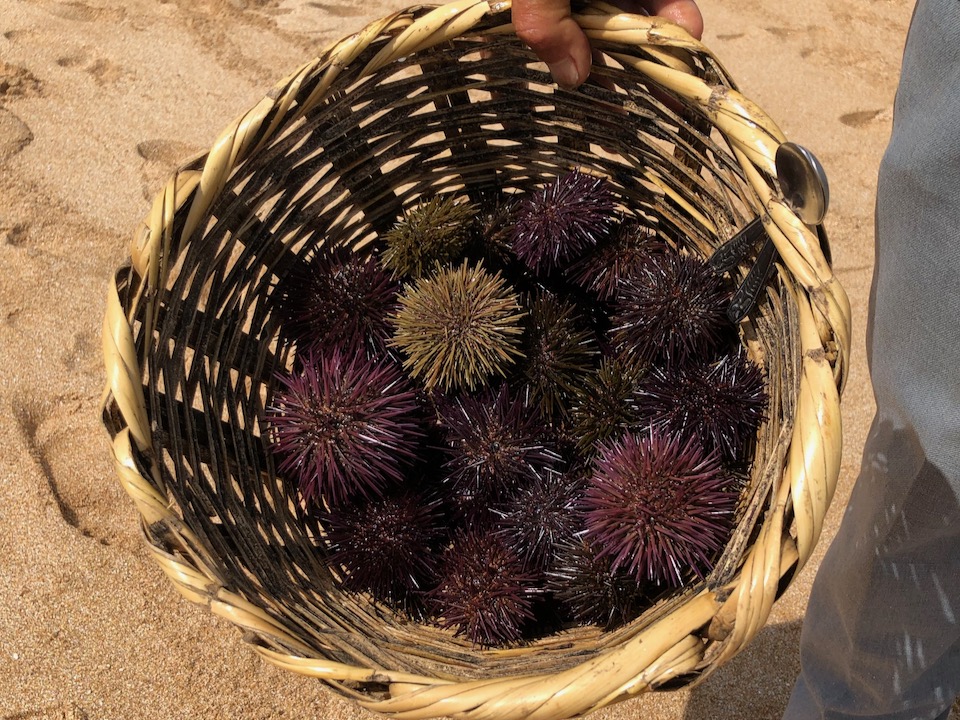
(329, 670)
(813, 463)
(417, 36)
(680, 659)
(122, 369)
(668, 190)
(151, 505)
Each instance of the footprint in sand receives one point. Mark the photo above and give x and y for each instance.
(13, 235)
(160, 159)
(81, 12)
(67, 711)
(15, 134)
(63, 438)
(859, 118)
(104, 72)
(16, 81)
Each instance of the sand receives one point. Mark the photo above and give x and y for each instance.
(99, 102)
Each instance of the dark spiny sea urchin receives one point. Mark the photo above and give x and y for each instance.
(540, 513)
(723, 402)
(623, 255)
(588, 591)
(674, 308)
(559, 349)
(494, 443)
(338, 298)
(493, 233)
(435, 231)
(389, 546)
(458, 327)
(659, 507)
(560, 222)
(344, 425)
(484, 592)
(606, 404)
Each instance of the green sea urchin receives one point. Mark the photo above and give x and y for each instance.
(434, 232)
(606, 404)
(587, 590)
(559, 352)
(458, 328)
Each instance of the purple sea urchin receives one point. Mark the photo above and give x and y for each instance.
(588, 591)
(539, 514)
(558, 223)
(338, 298)
(494, 443)
(559, 352)
(674, 308)
(723, 402)
(458, 327)
(625, 254)
(484, 593)
(344, 425)
(434, 232)
(659, 507)
(388, 547)
(606, 403)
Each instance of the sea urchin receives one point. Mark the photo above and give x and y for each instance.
(435, 231)
(387, 546)
(458, 327)
(723, 401)
(541, 513)
(560, 222)
(623, 255)
(606, 403)
(484, 593)
(494, 444)
(344, 425)
(658, 507)
(338, 298)
(674, 308)
(559, 351)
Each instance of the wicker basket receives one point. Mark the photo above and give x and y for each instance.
(427, 100)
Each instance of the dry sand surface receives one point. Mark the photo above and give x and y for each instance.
(99, 101)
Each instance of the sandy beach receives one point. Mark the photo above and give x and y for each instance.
(100, 100)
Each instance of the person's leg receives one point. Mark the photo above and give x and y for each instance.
(881, 637)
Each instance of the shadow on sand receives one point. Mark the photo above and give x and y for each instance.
(755, 684)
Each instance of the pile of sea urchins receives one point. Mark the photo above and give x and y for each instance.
(513, 416)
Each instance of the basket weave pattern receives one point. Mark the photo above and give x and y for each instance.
(427, 100)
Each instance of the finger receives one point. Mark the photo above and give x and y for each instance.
(685, 13)
(548, 29)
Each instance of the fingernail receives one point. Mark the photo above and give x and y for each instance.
(565, 73)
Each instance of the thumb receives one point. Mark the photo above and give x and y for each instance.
(548, 29)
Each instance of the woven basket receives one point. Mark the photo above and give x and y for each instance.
(423, 101)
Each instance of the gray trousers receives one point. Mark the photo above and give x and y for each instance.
(881, 637)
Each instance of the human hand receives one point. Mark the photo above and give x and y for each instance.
(547, 27)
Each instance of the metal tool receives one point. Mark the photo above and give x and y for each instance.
(807, 192)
